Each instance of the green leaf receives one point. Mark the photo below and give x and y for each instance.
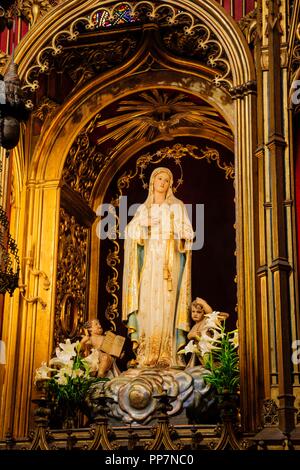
(223, 365)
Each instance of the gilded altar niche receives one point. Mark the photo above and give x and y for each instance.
(151, 116)
(169, 79)
(169, 126)
(136, 95)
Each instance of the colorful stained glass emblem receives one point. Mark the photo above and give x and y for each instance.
(122, 15)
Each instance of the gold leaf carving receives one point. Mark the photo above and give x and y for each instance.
(45, 108)
(157, 113)
(82, 64)
(112, 284)
(201, 44)
(248, 24)
(176, 153)
(4, 58)
(270, 413)
(83, 163)
(33, 10)
(71, 282)
(208, 46)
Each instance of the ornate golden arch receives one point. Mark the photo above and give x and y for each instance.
(40, 193)
(62, 20)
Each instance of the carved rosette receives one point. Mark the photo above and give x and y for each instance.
(71, 282)
(45, 109)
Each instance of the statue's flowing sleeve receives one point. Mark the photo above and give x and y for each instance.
(133, 253)
(184, 234)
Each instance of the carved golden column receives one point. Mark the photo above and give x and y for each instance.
(29, 323)
(280, 266)
(245, 186)
(262, 272)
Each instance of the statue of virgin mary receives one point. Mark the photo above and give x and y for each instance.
(157, 274)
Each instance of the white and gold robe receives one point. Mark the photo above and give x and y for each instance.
(156, 309)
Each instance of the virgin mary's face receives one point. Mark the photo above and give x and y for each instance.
(161, 182)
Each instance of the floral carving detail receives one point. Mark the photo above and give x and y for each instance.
(200, 44)
(46, 108)
(33, 10)
(270, 413)
(71, 278)
(84, 163)
(248, 24)
(85, 63)
(207, 43)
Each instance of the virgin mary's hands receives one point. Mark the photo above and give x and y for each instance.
(147, 221)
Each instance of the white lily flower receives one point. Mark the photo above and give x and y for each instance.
(58, 362)
(235, 339)
(42, 372)
(69, 348)
(206, 345)
(191, 347)
(63, 374)
(213, 320)
(62, 380)
(67, 351)
(92, 360)
(77, 373)
(212, 334)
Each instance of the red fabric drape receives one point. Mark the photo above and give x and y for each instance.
(237, 6)
(10, 38)
(3, 40)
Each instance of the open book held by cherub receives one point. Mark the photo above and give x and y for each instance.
(101, 348)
